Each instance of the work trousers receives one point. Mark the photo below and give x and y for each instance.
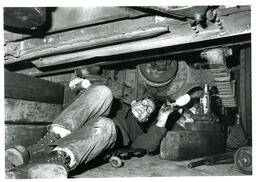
(91, 131)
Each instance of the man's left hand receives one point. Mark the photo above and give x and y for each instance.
(164, 112)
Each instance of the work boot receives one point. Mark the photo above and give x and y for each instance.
(53, 165)
(20, 155)
(42, 145)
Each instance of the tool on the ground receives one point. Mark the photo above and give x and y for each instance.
(214, 159)
(117, 157)
(243, 160)
(241, 157)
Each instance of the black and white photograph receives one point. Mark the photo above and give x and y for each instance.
(127, 91)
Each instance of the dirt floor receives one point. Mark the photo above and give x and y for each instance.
(153, 166)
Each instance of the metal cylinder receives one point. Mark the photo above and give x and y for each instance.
(205, 100)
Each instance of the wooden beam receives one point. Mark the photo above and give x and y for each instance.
(23, 134)
(34, 89)
(23, 112)
(245, 109)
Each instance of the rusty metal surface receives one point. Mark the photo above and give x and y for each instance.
(181, 33)
(180, 11)
(185, 79)
(70, 17)
(64, 18)
(158, 73)
(79, 40)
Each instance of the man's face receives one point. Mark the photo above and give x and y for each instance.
(142, 109)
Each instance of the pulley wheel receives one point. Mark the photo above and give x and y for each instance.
(159, 73)
(115, 162)
(243, 160)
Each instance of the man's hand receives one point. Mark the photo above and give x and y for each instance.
(164, 112)
(74, 83)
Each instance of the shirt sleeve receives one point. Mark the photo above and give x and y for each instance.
(150, 140)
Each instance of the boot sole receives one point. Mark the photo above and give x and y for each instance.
(47, 171)
(17, 155)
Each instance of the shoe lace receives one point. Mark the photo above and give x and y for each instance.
(59, 157)
(43, 142)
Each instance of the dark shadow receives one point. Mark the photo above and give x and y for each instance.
(40, 31)
(96, 162)
(173, 118)
(116, 106)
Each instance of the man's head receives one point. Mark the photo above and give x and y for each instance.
(142, 109)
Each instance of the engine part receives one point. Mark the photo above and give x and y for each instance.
(243, 160)
(205, 100)
(211, 15)
(159, 73)
(205, 118)
(217, 65)
(184, 80)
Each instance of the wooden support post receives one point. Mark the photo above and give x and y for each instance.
(245, 91)
(34, 89)
(30, 105)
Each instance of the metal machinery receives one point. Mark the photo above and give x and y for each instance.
(164, 51)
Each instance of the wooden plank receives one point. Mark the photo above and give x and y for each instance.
(22, 111)
(245, 91)
(23, 134)
(34, 89)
